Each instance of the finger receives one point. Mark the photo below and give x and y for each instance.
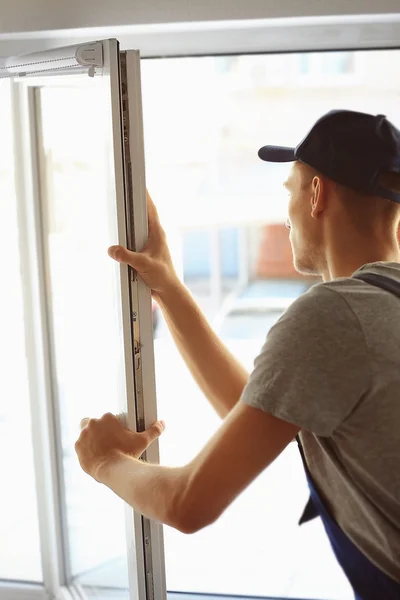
(112, 420)
(120, 254)
(154, 432)
(122, 419)
(84, 422)
(135, 259)
(109, 417)
(152, 217)
(151, 208)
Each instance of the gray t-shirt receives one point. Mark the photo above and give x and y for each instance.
(331, 365)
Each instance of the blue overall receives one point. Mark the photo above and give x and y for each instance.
(367, 580)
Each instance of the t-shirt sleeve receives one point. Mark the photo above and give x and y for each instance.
(314, 366)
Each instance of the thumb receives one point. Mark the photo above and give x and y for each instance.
(154, 432)
(122, 255)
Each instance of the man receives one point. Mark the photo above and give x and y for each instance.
(328, 373)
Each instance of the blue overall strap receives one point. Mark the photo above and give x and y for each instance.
(390, 285)
(381, 281)
(367, 580)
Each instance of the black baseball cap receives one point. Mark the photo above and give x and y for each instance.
(351, 148)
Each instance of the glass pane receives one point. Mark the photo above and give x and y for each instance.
(224, 211)
(19, 534)
(84, 295)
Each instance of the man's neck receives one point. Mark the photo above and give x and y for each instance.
(345, 261)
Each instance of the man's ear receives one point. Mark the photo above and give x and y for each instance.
(317, 196)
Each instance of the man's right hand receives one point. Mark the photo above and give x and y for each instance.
(153, 264)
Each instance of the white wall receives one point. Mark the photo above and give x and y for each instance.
(40, 15)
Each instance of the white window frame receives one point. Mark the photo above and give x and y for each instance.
(242, 36)
(298, 34)
(37, 342)
(22, 591)
(145, 553)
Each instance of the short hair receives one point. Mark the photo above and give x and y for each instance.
(388, 179)
(364, 209)
(391, 181)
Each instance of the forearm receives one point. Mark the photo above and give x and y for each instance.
(152, 490)
(217, 372)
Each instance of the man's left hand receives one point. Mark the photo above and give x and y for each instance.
(103, 441)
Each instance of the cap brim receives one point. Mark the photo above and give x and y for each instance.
(277, 154)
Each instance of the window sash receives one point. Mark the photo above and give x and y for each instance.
(144, 546)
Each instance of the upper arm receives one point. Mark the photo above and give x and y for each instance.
(247, 442)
